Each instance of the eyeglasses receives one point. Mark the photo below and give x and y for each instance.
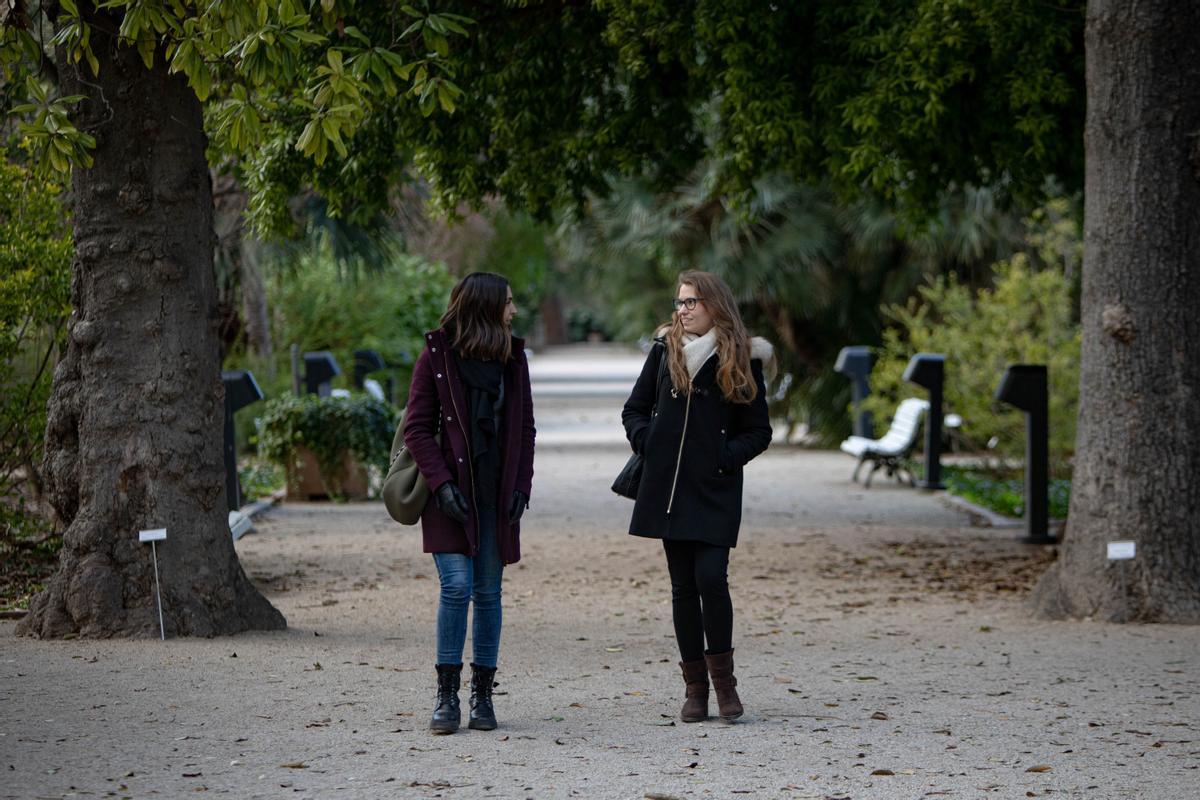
(689, 303)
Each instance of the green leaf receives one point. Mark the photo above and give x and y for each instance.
(145, 45)
(354, 33)
(453, 26)
(57, 160)
(446, 99)
(427, 104)
(305, 143)
(308, 37)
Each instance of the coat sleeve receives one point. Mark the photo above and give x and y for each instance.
(528, 435)
(636, 414)
(750, 433)
(421, 424)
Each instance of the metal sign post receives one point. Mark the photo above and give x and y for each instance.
(855, 363)
(1025, 387)
(152, 536)
(928, 370)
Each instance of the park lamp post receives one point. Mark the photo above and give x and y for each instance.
(855, 363)
(1025, 387)
(320, 368)
(928, 371)
(240, 391)
(368, 361)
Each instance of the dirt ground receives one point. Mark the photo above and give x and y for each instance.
(884, 650)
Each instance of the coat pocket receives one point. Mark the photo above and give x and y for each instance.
(725, 465)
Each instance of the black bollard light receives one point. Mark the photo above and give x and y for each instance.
(240, 391)
(366, 362)
(320, 368)
(855, 363)
(928, 370)
(1025, 387)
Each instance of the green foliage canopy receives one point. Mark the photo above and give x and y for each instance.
(541, 101)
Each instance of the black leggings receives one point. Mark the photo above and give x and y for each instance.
(700, 604)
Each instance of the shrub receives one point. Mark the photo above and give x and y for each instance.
(259, 478)
(330, 427)
(1025, 318)
(1003, 491)
(320, 305)
(321, 302)
(35, 278)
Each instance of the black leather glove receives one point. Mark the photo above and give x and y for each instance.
(520, 501)
(452, 503)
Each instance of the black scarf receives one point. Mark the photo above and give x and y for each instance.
(482, 381)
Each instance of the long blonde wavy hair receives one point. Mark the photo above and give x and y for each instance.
(734, 377)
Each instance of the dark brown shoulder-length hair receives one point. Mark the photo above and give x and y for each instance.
(474, 319)
(734, 378)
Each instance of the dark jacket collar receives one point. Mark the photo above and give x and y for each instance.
(437, 338)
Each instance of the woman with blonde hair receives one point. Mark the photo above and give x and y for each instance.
(697, 415)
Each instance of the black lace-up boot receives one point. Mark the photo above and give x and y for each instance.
(446, 716)
(483, 716)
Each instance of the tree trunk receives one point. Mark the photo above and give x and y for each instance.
(1137, 467)
(254, 307)
(133, 439)
(240, 249)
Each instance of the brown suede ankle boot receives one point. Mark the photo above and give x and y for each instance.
(720, 668)
(695, 675)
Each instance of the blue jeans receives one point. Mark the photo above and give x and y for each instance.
(465, 579)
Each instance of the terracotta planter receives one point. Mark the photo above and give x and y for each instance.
(304, 478)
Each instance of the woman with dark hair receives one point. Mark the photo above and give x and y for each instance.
(697, 415)
(469, 427)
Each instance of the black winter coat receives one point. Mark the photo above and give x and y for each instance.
(702, 462)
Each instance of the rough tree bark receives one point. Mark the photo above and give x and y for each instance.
(241, 250)
(1137, 468)
(135, 418)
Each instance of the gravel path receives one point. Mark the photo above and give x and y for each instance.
(883, 649)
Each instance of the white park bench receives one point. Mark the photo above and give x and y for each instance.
(893, 450)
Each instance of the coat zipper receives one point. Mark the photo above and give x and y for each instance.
(679, 458)
(467, 441)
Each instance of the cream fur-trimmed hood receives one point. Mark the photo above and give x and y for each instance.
(764, 351)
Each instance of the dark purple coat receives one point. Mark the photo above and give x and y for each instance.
(437, 391)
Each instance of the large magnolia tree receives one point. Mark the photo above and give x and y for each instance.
(541, 103)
